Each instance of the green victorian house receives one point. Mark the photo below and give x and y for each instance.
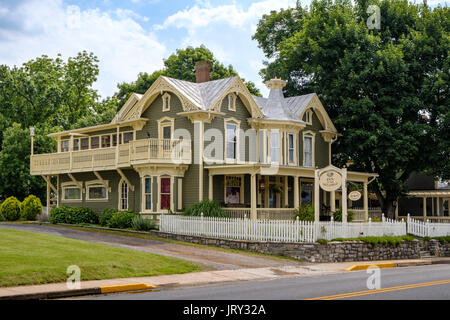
(182, 142)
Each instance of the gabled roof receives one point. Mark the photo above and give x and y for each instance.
(202, 94)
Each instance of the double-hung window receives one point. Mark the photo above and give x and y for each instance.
(291, 158)
(275, 146)
(231, 141)
(148, 193)
(308, 151)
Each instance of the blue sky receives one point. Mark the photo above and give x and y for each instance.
(132, 36)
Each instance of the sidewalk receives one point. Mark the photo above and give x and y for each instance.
(59, 290)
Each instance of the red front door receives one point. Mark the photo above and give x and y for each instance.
(165, 193)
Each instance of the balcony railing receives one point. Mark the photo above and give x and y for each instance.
(135, 152)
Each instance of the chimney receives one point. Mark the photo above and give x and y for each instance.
(202, 70)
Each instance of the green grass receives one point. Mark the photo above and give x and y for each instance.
(28, 258)
(204, 246)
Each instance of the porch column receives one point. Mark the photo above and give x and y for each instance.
(366, 203)
(210, 187)
(48, 195)
(296, 195)
(57, 190)
(316, 196)
(424, 208)
(285, 191)
(344, 195)
(253, 214)
(438, 207)
(333, 201)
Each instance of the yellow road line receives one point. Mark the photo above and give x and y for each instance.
(389, 289)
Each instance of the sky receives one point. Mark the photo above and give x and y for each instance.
(132, 36)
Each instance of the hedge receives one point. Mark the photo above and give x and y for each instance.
(73, 215)
(121, 219)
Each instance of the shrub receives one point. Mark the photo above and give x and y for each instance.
(337, 215)
(73, 215)
(106, 216)
(209, 208)
(140, 223)
(31, 206)
(121, 219)
(322, 241)
(10, 209)
(305, 212)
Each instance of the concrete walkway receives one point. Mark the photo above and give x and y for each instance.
(198, 278)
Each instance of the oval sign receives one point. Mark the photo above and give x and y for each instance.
(354, 195)
(330, 180)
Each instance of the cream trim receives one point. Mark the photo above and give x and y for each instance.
(159, 192)
(179, 194)
(237, 123)
(233, 103)
(316, 105)
(165, 107)
(125, 178)
(119, 205)
(313, 147)
(70, 185)
(165, 122)
(97, 183)
(143, 194)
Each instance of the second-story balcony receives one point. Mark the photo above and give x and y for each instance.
(122, 156)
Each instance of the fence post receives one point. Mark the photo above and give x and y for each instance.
(428, 228)
(202, 227)
(368, 229)
(382, 217)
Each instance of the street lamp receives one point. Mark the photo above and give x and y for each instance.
(32, 139)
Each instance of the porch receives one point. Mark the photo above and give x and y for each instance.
(252, 191)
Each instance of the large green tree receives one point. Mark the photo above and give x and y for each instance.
(180, 65)
(386, 89)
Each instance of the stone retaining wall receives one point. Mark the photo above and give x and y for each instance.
(330, 252)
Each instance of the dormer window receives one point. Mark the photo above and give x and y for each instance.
(231, 102)
(166, 102)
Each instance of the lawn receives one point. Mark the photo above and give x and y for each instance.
(30, 258)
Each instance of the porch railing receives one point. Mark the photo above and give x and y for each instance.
(262, 213)
(134, 152)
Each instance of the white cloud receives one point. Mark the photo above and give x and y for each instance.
(227, 31)
(49, 27)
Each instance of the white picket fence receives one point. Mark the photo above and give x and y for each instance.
(427, 228)
(277, 230)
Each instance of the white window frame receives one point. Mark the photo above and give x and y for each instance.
(97, 183)
(144, 209)
(237, 124)
(63, 142)
(70, 185)
(119, 207)
(312, 135)
(166, 106)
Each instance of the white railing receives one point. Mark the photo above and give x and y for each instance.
(427, 228)
(277, 230)
(237, 213)
(138, 151)
(276, 213)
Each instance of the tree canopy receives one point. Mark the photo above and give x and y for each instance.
(387, 89)
(181, 65)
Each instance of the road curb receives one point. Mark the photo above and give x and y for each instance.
(80, 292)
(389, 265)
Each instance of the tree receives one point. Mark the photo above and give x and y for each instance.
(15, 175)
(387, 90)
(180, 65)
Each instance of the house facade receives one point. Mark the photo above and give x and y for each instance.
(182, 142)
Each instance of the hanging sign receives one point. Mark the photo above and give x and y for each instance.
(354, 195)
(330, 180)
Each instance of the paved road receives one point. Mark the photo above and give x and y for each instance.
(214, 259)
(416, 283)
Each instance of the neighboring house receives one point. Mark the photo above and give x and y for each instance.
(260, 154)
(427, 198)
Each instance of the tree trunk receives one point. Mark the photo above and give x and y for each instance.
(388, 209)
